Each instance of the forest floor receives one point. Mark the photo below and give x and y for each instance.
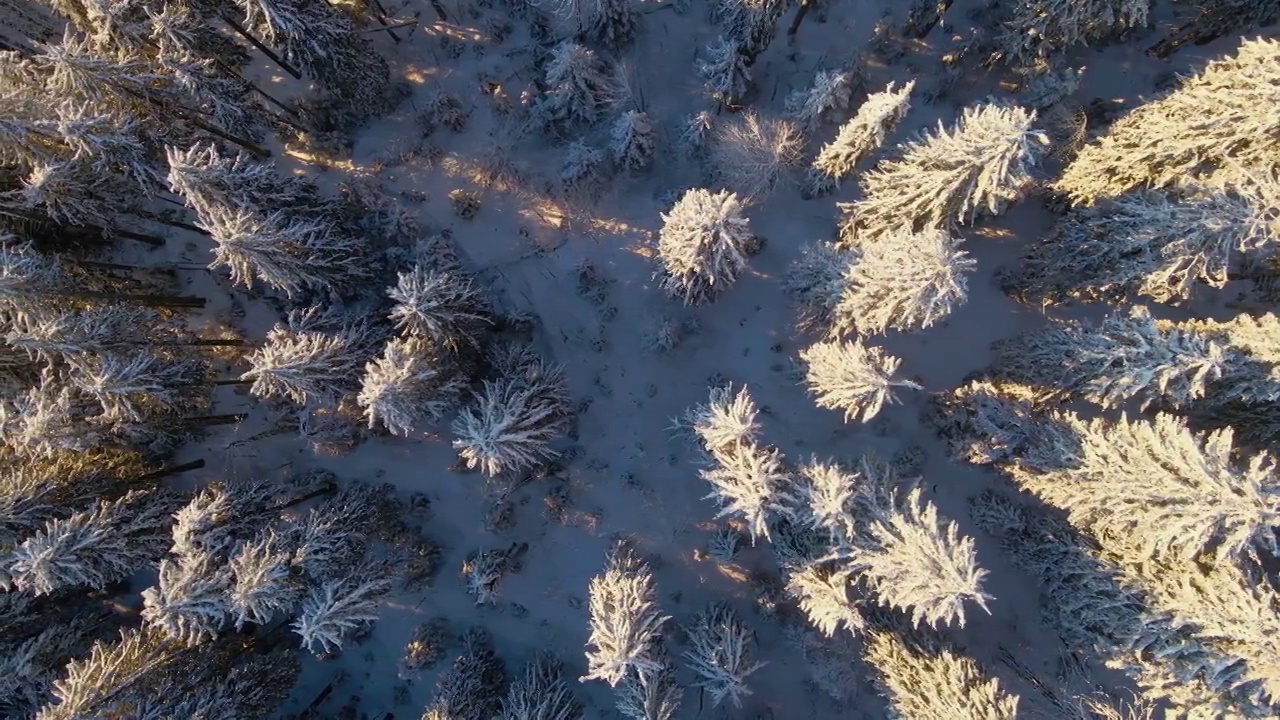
(626, 474)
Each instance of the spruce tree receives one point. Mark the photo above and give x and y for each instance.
(722, 654)
(852, 377)
(858, 138)
(924, 679)
(703, 245)
(904, 281)
(625, 620)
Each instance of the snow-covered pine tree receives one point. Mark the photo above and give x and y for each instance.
(753, 154)
(923, 679)
(94, 547)
(309, 364)
(703, 245)
(47, 419)
(141, 386)
(441, 306)
(541, 693)
(724, 72)
(189, 601)
(511, 422)
(1159, 244)
(721, 652)
(631, 141)
(410, 383)
(1127, 357)
(952, 176)
(852, 377)
(694, 133)
(472, 688)
(53, 334)
(1213, 128)
(625, 620)
(831, 496)
(262, 580)
(208, 179)
(287, 252)
(1195, 501)
(1212, 19)
(904, 281)
(826, 99)
(1257, 336)
(35, 649)
(751, 483)
(823, 593)
(725, 421)
(858, 138)
(750, 23)
(583, 168)
(336, 610)
(817, 282)
(985, 422)
(578, 86)
(1035, 29)
(614, 24)
(650, 695)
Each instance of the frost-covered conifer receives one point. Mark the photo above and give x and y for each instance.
(631, 140)
(212, 522)
(306, 365)
(48, 418)
(986, 422)
(727, 420)
(140, 385)
(208, 180)
(905, 281)
(721, 652)
(337, 609)
(829, 494)
(694, 132)
(27, 277)
(858, 138)
(1215, 127)
(444, 307)
(541, 693)
(189, 602)
(1038, 28)
(94, 547)
(823, 594)
(578, 85)
(410, 383)
(583, 168)
(53, 334)
(511, 422)
(703, 245)
(262, 582)
(752, 154)
(923, 679)
(913, 562)
(1128, 357)
(614, 24)
(650, 695)
(826, 99)
(979, 166)
(625, 620)
(1195, 500)
(724, 71)
(751, 23)
(751, 483)
(472, 688)
(70, 192)
(1162, 245)
(852, 377)
(817, 283)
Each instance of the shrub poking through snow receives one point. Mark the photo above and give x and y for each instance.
(632, 141)
(905, 281)
(827, 98)
(950, 176)
(724, 72)
(852, 377)
(858, 138)
(511, 422)
(625, 620)
(922, 679)
(752, 154)
(703, 245)
(411, 383)
(721, 653)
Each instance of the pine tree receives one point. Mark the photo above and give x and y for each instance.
(51, 335)
(511, 422)
(751, 483)
(925, 681)
(337, 609)
(577, 86)
(410, 383)
(262, 581)
(823, 594)
(753, 154)
(1212, 128)
(541, 693)
(472, 688)
(625, 620)
(140, 386)
(852, 377)
(858, 138)
(307, 365)
(94, 547)
(721, 654)
(905, 281)
(979, 166)
(724, 72)
(825, 100)
(726, 421)
(751, 23)
(632, 141)
(614, 24)
(694, 132)
(703, 245)
(189, 602)
(817, 282)
(1038, 28)
(443, 307)
(1161, 245)
(208, 180)
(650, 695)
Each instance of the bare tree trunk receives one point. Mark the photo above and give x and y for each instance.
(240, 30)
(795, 22)
(435, 5)
(165, 301)
(165, 472)
(380, 14)
(211, 420)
